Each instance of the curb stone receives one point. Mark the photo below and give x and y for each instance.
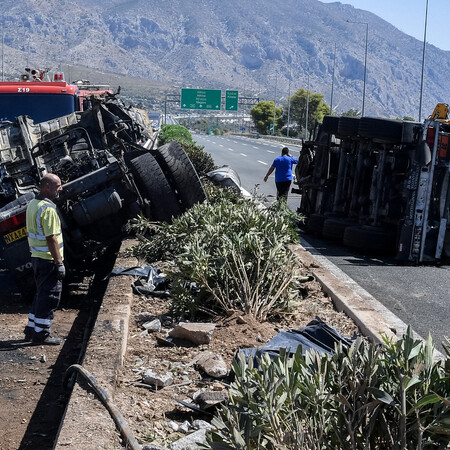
(373, 319)
(87, 423)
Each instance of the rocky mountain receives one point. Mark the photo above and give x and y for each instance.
(259, 47)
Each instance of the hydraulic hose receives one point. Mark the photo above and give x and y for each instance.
(105, 398)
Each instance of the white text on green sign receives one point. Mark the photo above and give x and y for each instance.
(201, 99)
(231, 100)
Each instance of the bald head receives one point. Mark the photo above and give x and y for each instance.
(50, 186)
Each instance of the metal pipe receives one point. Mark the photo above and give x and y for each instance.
(121, 423)
(365, 63)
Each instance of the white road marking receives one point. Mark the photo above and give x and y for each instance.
(243, 154)
(270, 151)
(231, 150)
(262, 162)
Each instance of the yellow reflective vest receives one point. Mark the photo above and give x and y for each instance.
(42, 221)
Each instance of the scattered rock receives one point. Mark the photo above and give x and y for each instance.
(212, 364)
(150, 377)
(190, 442)
(197, 333)
(199, 424)
(185, 427)
(153, 326)
(208, 399)
(173, 426)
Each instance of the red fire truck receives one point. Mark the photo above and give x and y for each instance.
(41, 100)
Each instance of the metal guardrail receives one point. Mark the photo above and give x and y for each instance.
(292, 141)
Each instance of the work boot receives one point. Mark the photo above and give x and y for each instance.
(44, 338)
(28, 332)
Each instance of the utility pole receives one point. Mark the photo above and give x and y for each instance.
(289, 102)
(332, 80)
(275, 101)
(423, 62)
(307, 102)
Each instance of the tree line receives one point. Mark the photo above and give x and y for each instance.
(291, 118)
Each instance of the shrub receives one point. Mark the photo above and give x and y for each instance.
(368, 397)
(171, 133)
(235, 252)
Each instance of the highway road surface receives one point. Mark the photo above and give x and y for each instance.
(418, 295)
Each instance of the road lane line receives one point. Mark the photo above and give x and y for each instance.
(270, 151)
(231, 150)
(262, 162)
(243, 154)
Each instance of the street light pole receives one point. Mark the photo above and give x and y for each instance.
(289, 102)
(307, 102)
(423, 61)
(332, 80)
(275, 101)
(365, 63)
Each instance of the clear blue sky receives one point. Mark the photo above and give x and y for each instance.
(409, 17)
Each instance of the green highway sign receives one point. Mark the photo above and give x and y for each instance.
(231, 100)
(201, 99)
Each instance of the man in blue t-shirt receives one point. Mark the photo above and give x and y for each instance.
(283, 172)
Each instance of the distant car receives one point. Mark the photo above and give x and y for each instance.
(155, 120)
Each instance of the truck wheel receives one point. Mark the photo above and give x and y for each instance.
(181, 174)
(348, 126)
(386, 131)
(335, 228)
(330, 124)
(154, 187)
(370, 239)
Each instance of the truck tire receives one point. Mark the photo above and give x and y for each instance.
(375, 240)
(335, 228)
(348, 126)
(386, 131)
(315, 222)
(154, 187)
(181, 174)
(330, 124)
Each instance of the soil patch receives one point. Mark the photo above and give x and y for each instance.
(149, 411)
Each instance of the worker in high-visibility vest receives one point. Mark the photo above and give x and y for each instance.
(46, 246)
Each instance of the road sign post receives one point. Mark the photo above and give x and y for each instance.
(231, 100)
(201, 99)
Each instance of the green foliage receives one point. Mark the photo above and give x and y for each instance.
(368, 397)
(262, 115)
(235, 251)
(317, 109)
(171, 133)
(352, 113)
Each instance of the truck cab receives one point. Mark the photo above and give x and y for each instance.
(38, 99)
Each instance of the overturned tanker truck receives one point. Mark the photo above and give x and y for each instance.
(380, 185)
(110, 172)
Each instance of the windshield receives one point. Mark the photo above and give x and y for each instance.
(40, 107)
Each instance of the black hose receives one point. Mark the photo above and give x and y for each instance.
(121, 423)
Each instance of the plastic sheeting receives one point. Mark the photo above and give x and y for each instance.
(149, 280)
(316, 336)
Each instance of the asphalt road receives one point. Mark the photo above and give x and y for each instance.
(418, 295)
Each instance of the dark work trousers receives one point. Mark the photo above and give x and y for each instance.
(283, 188)
(48, 295)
